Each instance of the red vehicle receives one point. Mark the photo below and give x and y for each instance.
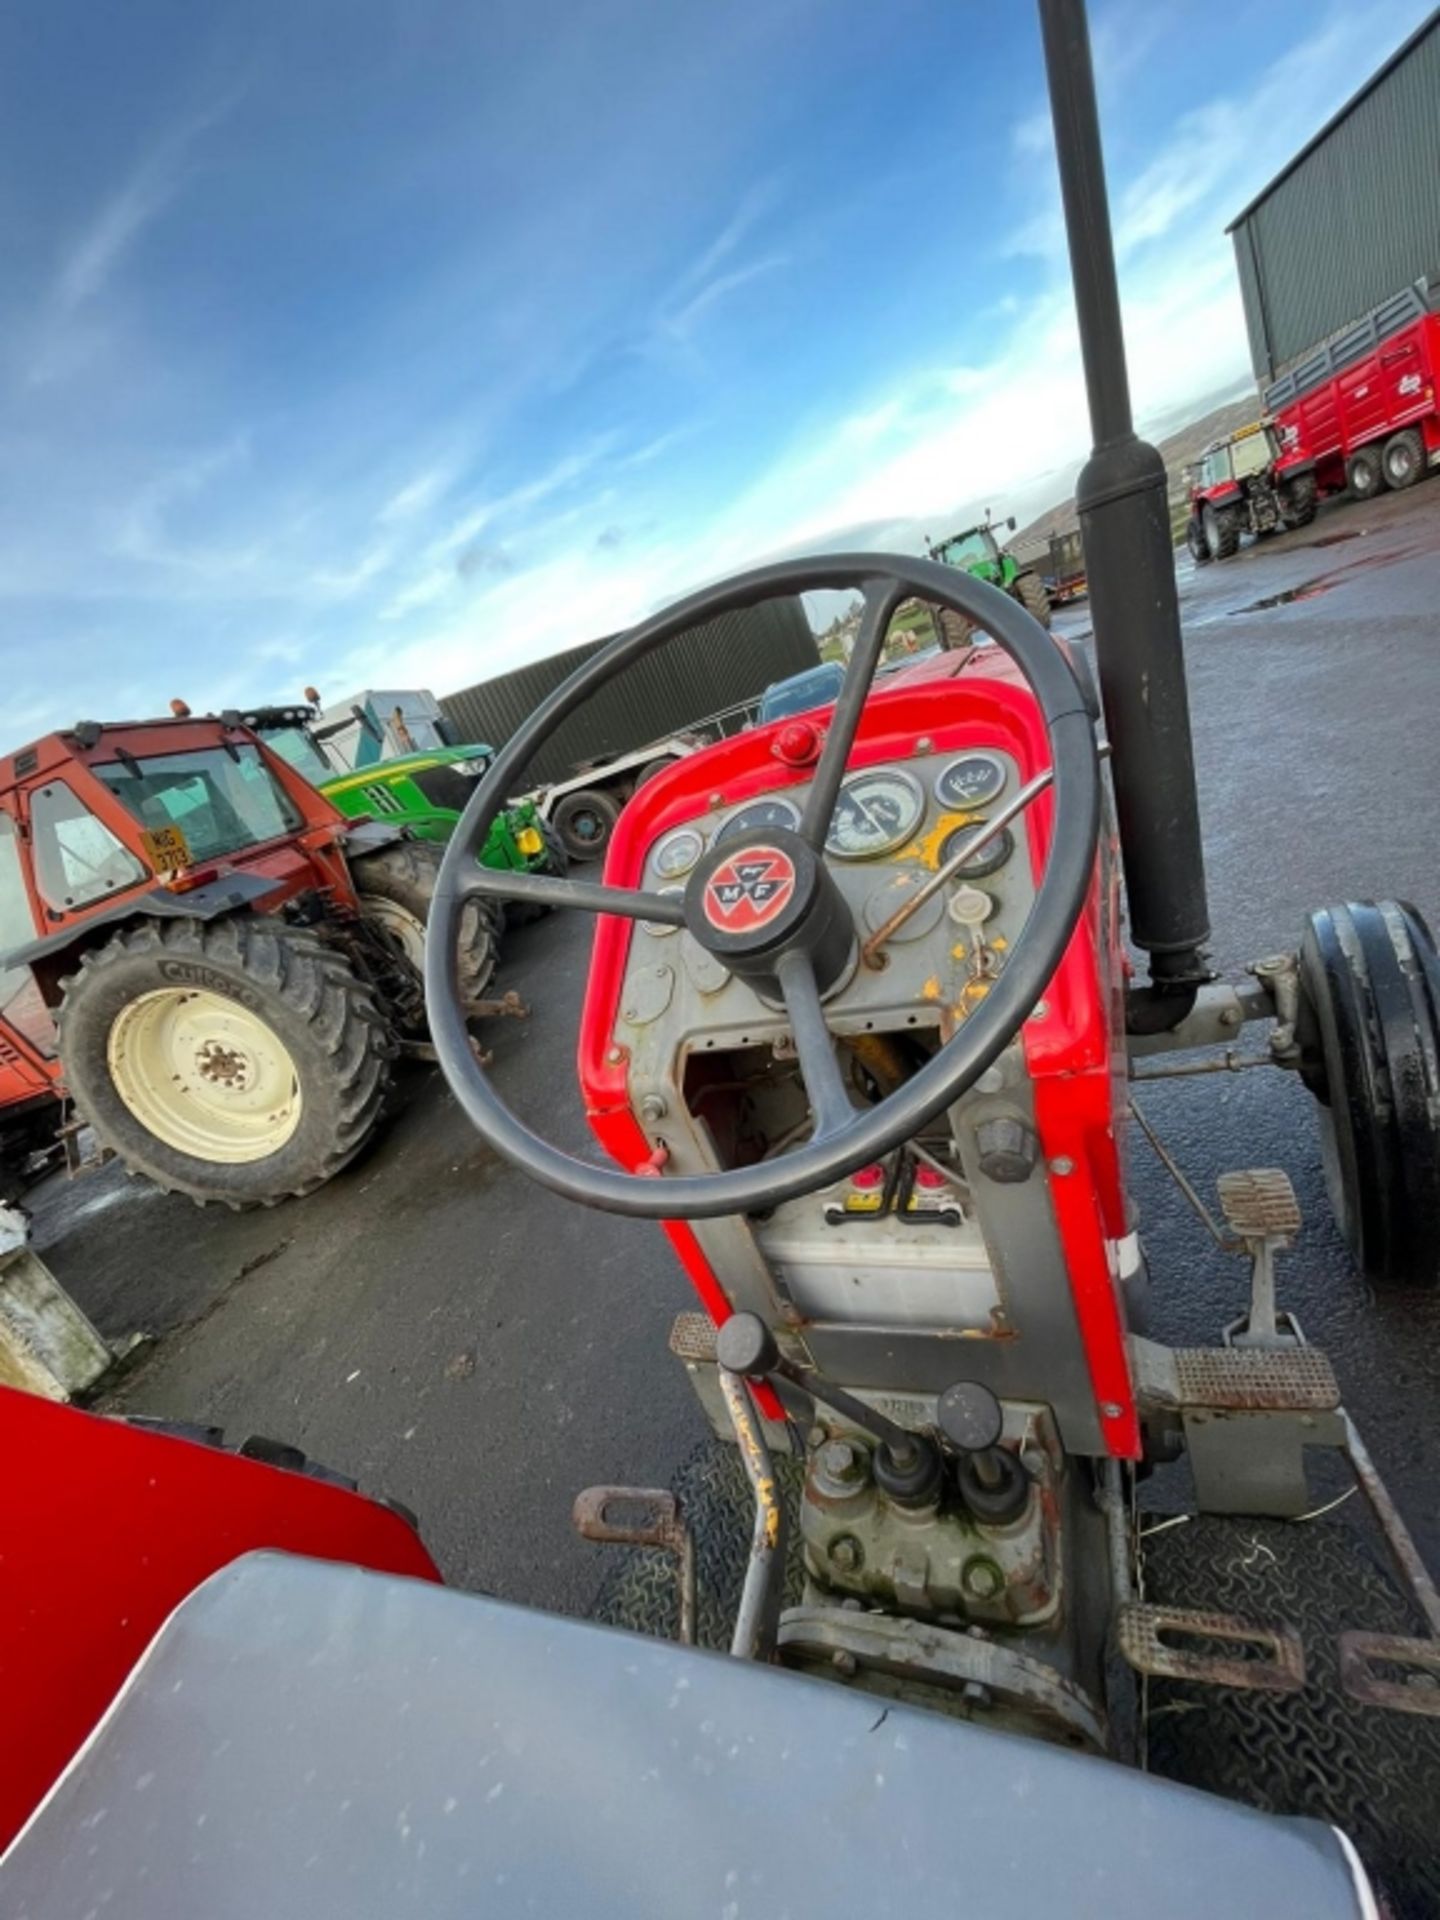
(1364, 410)
(204, 956)
(1239, 486)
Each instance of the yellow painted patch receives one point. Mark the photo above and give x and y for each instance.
(976, 989)
(931, 988)
(925, 848)
(959, 950)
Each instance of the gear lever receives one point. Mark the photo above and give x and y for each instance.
(907, 1465)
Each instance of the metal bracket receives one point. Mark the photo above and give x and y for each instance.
(1361, 1654)
(654, 1519)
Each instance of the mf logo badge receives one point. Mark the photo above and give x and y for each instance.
(749, 890)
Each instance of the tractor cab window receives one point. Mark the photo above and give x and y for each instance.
(1252, 455)
(220, 800)
(969, 549)
(21, 1006)
(302, 751)
(1216, 470)
(78, 860)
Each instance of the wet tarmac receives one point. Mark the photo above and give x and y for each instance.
(436, 1326)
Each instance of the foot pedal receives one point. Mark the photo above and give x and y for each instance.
(1259, 1204)
(692, 1339)
(1254, 1380)
(1412, 1684)
(1154, 1640)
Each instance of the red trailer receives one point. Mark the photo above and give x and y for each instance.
(1364, 409)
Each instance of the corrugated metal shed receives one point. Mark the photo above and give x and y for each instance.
(1354, 217)
(716, 666)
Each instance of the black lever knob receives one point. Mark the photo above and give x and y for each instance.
(745, 1345)
(969, 1416)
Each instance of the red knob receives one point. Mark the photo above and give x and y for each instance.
(797, 744)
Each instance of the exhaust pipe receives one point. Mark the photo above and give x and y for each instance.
(1130, 565)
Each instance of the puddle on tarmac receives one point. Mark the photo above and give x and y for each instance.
(1334, 539)
(1323, 582)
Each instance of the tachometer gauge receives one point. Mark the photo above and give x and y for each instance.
(991, 857)
(875, 813)
(971, 781)
(678, 852)
(756, 817)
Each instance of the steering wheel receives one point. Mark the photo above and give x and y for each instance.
(799, 939)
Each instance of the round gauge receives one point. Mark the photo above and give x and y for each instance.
(971, 781)
(758, 816)
(874, 813)
(659, 927)
(678, 852)
(991, 857)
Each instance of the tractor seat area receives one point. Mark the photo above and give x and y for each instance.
(304, 1737)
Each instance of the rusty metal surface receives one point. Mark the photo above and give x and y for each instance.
(1397, 1535)
(984, 1672)
(1139, 1627)
(658, 1522)
(1259, 1202)
(692, 1339)
(1256, 1379)
(1361, 1653)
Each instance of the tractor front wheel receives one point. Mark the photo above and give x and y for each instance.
(241, 1061)
(1222, 533)
(1369, 1034)
(397, 885)
(1029, 590)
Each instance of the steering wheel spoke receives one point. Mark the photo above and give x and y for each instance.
(814, 1048)
(880, 597)
(543, 889)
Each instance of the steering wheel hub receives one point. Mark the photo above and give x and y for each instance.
(752, 905)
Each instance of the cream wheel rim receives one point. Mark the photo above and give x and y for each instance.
(405, 927)
(205, 1075)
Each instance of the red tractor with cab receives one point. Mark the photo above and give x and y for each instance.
(1238, 486)
(204, 959)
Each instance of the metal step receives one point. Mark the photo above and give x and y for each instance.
(1274, 1662)
(692, 1339)
(1259, 1203)
(1233, 1379)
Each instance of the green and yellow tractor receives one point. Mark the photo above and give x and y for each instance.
(976, 551)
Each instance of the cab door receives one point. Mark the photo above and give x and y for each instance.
(27, 1033)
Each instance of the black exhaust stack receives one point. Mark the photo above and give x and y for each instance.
(1130, 566)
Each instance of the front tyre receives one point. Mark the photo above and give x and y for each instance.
(1222, 533)
(241, 1062)
(1030, 592)
(1196, 542)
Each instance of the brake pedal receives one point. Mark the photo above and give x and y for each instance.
(1266, 1660)
(1262, 1212)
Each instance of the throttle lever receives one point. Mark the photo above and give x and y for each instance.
(907, 1465)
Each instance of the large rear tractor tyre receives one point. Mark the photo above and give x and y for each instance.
(956, 632)
(1030, 591)
(1369, 1033)
(1365, 474)
(1403, 459)
(241, 1061)
(639, 1590)
(1196, 542)
(1222, 533)
(396, 887)
(1368, 1770)
(557, 860)
(584, 822)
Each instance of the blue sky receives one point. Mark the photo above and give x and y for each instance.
(394, 342)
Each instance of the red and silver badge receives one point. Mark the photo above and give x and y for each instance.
(749, 890)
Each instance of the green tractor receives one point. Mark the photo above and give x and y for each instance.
(425, 792)
(977, 551)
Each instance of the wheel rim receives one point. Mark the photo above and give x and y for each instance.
(586, 826)
(205, 1075)
(407, 928)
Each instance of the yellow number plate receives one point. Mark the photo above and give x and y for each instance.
(166, 848)
(529, 841)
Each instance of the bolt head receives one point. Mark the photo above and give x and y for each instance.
(844, 1662)
(846, 1553)
(840, 1461)
(1062, 1164)
(983, 1579)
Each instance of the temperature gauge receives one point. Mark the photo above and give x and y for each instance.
(972, 781)
(875, 813)
(991, 857)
